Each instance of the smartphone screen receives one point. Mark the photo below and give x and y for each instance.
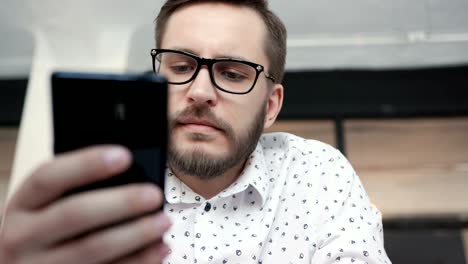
(125, 109)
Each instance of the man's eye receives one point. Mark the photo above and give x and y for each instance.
(233, 76)
(181, 69)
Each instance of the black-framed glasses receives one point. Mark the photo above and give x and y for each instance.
(229, 75)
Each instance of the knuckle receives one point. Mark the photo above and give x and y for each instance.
(38, 179)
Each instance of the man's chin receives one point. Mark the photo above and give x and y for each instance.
(199, 163)
(201, 149)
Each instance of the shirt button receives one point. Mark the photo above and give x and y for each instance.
(207, 207)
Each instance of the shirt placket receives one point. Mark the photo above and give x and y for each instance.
(206, 241)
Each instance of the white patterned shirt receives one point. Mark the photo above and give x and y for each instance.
(296, 201)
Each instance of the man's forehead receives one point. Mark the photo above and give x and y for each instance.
(216, 56)
(217, 30)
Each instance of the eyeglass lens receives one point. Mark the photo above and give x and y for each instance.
(229, 75)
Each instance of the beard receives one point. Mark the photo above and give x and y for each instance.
(198, 163)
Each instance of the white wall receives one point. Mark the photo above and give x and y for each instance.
(375, 33)
(322, 33)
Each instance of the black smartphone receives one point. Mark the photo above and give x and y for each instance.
(125, 109)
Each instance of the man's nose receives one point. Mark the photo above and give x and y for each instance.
(202, 89)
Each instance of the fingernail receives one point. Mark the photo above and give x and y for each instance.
(114, 156)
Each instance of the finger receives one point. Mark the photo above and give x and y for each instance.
(113, 243)
(88, 211)
(155, 254)
(69, 171)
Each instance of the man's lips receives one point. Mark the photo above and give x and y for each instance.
(198, 125)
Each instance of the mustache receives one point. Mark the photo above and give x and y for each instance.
(200, 111)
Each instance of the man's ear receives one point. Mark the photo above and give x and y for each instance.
(274, 104)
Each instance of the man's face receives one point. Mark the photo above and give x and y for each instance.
(211, 130)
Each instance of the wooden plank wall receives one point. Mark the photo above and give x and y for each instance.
(408, 167)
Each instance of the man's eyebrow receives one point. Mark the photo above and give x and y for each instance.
(220, 56)
(184, 50)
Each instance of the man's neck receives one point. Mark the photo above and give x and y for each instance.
(208, 188)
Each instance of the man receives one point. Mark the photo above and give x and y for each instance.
(232, 195)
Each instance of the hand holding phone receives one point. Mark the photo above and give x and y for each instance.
(39, 224)
(129, 110)
(42, 225)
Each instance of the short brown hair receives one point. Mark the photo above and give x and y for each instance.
(275, 44)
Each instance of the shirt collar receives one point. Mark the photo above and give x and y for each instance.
(255, 174)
